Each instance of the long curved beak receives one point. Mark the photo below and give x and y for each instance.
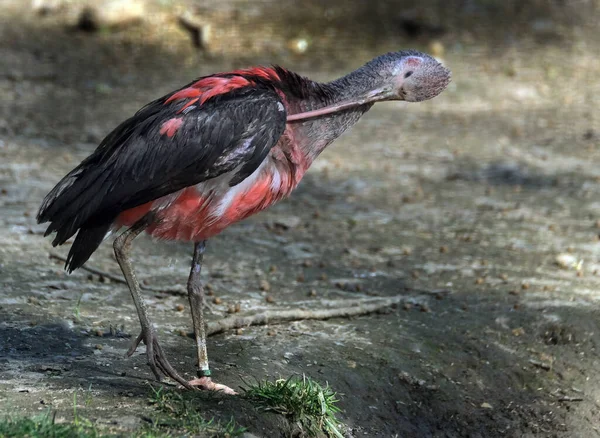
(370, 98)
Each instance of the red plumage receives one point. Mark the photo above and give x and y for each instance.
(200, 212)
(170, 127)
(223, 147)
(211, 86)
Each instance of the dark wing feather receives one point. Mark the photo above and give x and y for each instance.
(136, 164)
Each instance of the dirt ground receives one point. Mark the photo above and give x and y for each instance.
(489, 191)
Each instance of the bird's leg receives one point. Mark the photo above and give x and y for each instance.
(154, 352)
(196, 297)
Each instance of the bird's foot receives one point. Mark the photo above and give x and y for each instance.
(156, 358)
(206, 384)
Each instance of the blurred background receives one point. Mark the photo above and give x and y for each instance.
(77, 58)
(490, 191)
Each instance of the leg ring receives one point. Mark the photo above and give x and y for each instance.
(203, 373)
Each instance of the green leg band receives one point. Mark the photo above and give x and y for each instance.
(203, 373)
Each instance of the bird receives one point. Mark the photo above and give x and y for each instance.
(209, 154)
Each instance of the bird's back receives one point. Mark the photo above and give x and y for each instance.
(197, 160)
(167, 146)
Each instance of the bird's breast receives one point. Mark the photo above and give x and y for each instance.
(204, 210)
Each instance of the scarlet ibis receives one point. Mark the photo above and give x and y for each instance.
(219, 149)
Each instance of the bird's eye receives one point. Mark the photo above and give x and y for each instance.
(408, 74)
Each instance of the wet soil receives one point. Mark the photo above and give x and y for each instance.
(489, 191)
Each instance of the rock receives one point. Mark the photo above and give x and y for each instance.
(287, 222)
(566, 261)
(437, 49)
(542, 25)
(298, 46)
(199, 30)
(519, 331)
(525, 93)
(590, 134)
(413, 27)
(47, 7)
(296, 251)
(110, 14)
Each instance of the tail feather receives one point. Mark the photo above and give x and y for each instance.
(70, 207)
(72, 203)
(87, 241)
(78, 203)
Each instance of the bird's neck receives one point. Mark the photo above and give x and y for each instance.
(313, 135)
(353, 85)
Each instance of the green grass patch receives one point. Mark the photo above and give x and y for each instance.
(45, 426)
(173, 416)
(181, 413)
(172, 413)
(301, 400)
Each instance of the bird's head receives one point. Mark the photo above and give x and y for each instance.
(407, 75)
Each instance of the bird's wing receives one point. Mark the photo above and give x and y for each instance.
(172, 143)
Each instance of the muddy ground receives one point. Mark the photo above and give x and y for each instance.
(489, 191)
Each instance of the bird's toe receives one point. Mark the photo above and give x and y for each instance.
(206, 384)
